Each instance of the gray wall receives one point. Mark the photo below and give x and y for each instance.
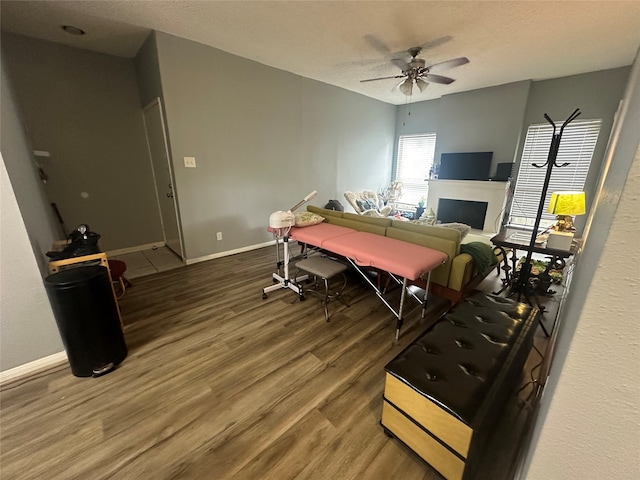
(84, 108)
(27, 328)
(36, 212)
(418, 117)
(263, 138)
(148, 71)
(486, 120)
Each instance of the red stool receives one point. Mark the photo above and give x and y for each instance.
(117, 269)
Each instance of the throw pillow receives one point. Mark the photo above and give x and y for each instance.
(461, 227)
(372, 204)
(362, 205)
(306, 219)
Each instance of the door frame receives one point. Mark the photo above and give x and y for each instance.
(153, 103)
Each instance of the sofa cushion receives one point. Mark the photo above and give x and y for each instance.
(357, 223)
(324, 212)
(463, 228)
(380, 221)
(433, 231)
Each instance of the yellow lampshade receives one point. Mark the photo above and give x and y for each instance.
(567, 203)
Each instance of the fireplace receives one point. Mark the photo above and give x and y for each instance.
(490, 193)
(462, 211)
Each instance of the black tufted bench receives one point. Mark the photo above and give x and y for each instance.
(444, 393)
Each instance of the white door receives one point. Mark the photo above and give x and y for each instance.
(163, 176)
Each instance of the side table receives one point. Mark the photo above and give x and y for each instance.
(513, 240)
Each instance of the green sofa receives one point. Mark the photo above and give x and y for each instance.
(456, 278)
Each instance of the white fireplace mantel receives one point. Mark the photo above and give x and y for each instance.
(492, 192)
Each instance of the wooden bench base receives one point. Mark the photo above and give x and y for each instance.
(444, 393)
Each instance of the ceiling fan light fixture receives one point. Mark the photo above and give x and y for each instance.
(421, 84)
(416, 70)
(406, 87)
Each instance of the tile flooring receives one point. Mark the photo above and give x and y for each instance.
(148, 262)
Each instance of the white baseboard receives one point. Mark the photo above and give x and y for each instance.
(137, 248)
(32, 367)
(229, 252)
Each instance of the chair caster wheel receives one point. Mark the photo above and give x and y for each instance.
(274, 280)
(264, 296)
(302, 298)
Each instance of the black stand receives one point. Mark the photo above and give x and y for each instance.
(521, 286)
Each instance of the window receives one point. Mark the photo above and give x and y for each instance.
(415, 158)
(576, 147)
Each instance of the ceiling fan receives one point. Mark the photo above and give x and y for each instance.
(416, 72)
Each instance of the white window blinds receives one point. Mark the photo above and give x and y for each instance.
(576, 148)
(415, 158)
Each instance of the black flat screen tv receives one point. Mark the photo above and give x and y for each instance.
(465, 166)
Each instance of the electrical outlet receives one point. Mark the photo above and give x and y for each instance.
(190, 162)
(219, 235)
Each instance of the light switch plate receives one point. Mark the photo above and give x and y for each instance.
(190, 162)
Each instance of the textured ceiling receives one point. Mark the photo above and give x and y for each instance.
(341, 43)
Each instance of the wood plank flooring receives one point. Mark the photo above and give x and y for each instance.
(220, 384)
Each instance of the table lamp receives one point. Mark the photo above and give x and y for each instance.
(564, 205)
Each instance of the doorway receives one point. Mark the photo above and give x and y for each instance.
(163, 176)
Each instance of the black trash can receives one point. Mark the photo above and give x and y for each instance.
(87, 316)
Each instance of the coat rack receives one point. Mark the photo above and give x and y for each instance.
(523, 280)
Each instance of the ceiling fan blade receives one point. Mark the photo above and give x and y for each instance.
(377, 44)
(438, 79)
(455, 62)
(401, 64)
(437, 42)
(382, 78)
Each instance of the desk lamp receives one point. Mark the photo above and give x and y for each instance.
(564, 205)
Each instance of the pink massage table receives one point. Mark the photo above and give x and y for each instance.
(400, 259)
